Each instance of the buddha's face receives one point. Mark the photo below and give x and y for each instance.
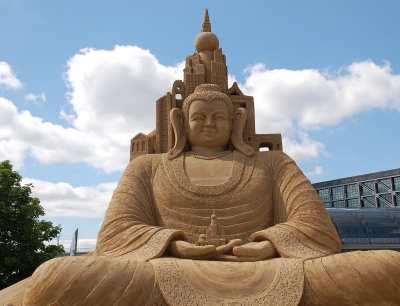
(208, 124)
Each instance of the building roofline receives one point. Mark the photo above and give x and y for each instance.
(358, 178)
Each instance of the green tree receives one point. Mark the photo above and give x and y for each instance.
(22, 234)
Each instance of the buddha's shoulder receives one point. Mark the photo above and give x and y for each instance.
(273, 161)
(145, 162)
(271, 157)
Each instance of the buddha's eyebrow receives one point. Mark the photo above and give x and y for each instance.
(201, 112)
(218, 111)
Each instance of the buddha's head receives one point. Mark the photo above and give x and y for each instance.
(207, 117)
(208, 120)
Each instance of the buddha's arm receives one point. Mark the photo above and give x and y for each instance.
(130, 225)
(303, 227)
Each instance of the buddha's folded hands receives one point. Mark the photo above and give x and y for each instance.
(186, 250)
(252, 251)
(255, 251)
(227, 248)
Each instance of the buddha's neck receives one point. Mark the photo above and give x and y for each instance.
(209, 172)
(206, 150)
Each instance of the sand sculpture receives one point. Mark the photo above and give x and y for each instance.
(209, 220)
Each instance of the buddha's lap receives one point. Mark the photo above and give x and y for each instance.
(89, 279)
(359, 275)
(354, 278)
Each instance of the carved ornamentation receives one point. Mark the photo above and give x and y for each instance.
(267, 283)
(154, 247)
(289, 244)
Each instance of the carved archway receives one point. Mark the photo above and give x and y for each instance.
(265, 146)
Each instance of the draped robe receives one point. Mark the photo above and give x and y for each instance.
(156, 198)
(267, 197)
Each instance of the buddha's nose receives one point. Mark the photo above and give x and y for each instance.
(209, 123)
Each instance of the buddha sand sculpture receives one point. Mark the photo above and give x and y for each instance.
(209, 220)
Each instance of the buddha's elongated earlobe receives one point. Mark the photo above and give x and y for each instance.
(180, 134)
(239, 120)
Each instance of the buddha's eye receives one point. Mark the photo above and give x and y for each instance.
(198, 118)
(219, 117)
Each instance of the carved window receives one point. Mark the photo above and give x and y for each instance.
(265, 145)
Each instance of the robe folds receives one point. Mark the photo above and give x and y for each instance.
(267, 197)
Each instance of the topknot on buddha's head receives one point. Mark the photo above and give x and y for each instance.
(206, 93)
(208, 87)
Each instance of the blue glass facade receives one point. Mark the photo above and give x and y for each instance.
(374, 190)
(367, 228)
(365, 209)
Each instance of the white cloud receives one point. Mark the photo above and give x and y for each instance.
(7, 77)
(303, 147)
(61, 199)
(317, 171)
(294, 102)
(35, 98)
(113, 93)
(22, 134)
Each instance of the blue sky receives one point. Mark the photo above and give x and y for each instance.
(78, 79)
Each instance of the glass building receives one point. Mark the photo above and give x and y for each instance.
(367, 228)
(379, 189)
(365, 209)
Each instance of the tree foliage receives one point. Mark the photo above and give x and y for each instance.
(22, 234)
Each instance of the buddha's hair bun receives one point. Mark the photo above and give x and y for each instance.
(208, 87)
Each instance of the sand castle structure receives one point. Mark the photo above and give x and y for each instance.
(206, 66)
